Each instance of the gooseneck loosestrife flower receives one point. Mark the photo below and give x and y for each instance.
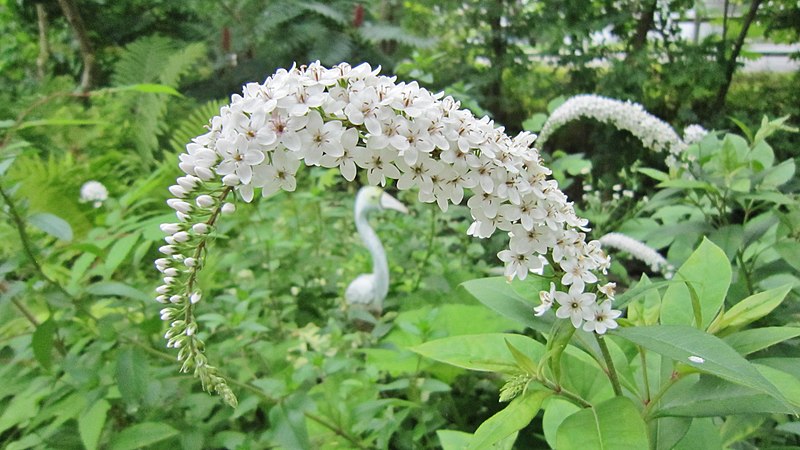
(654, 133)
(639, 250)
(351, 117)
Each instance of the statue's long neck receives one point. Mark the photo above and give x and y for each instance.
(380, 267)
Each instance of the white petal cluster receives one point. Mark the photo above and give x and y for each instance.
(351, 118)
(94, 192)
(654, 133)
(638, 250)
(693, 134)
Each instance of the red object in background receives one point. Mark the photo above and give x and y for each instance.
(226, 39)
(358, 15)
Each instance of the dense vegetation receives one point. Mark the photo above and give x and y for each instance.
(91, 95)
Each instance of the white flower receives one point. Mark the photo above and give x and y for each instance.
(95, 192)
(575, 305)
(638, 250)
(602, 318)
(379, 164)
(654, 133)
(693, 134)
(547, 298)
(321, 138)
(608, 289)
(519, 263)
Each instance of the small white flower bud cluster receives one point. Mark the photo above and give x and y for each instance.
(348, 118)
(640, 251)
(94, 192)
(654, 133)
(694, 134)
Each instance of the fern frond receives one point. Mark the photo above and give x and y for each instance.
(381, 33)
(193, 125)
(326, 11)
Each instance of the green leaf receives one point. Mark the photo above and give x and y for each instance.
(653, 173)
(52, 225)
(745, 129)
(755, 339)
(789, 427)
(482, 352)
(668, 431)
(116, 289)
(514, 417)
(709, 272)
(499, 295)
(778, 175)
(524, 362)
(535, 122)
(453, 440)
(148, 88)
(288, 425)
(754, 307)
(687, 184)
(90, 424)
(132, 375)
(119, 251)
(712, 396)
(42, 343)
(59, 122)
(556, 410)
(702, 434)
(142, 435)
(680, 342)
(613, 424)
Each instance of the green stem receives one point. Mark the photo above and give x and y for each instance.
(654, 401)
(643, 357)
(610, 370)
(572, 397)
(428, 251)
(336, 429)
(745, 272)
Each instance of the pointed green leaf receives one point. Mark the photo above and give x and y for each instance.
(52, 225)
(288, 424)
(654, 174)
(709, 272)
(754, 307)
(482, 352)
(613, 424)
(702, 434)
(148, 88)
(498, 294)
(524, 362)
(712, 396)
(42, 343)
(755, 339)
(142, 435)
(514, 417)
(708, 354)
(119, 251)
(91, 423)
(117, 289)
(132, 375)
(668, 431)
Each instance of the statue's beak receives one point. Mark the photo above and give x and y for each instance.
(389, 202)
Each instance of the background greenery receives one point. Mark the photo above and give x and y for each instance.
(82, 360)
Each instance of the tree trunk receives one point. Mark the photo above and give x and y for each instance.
(499, 48)
(44, 46)
(643, 26)
(730, 68)
(70, 10)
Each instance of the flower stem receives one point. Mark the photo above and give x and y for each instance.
(610, 370)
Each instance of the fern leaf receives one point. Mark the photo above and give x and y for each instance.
(380, 33)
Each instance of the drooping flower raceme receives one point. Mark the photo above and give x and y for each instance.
(654, 133)
(638, 250)
(693, 134)
(348, 118)
(94, 192)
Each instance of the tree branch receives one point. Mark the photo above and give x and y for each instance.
(70, 10)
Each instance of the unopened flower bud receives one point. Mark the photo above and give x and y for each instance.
(163, 289)
(190, 262)
(200, 228)
(204, 173)
(230, 180)
(169, 280)
(228, 208)
(182, 216)
(177, 190)
(166, 249)
(170, 228)
(181, 236)
(168, 313)
(171, 272)
(179, 205)
(205, 201)
(195, 297)
(169, 240)
(162, 299)
(175, 299)
(188, 182)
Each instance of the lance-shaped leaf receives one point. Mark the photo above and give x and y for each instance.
(498, 294)
(754, 307)
(482, 352)
(704, 352)
(755, 339)
(615, 423)
(514, 417)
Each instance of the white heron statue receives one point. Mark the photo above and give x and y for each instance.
(369, 290)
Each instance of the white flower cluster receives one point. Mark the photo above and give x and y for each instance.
(693, 134)
(640, 251)
(94, 192)
(348, 118)
(654, 133)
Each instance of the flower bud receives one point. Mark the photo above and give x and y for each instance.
(179, 205)
(162, 299)
(195, 297)
(181, 236)
(171, 272)
(182, 216)
(163, 289)
(169, 280)
(175, 299)
(178, 191)
(200, 228)
(190, 262)
(230, 180)
(204, 173)
(205, 201)
(168, 313)
(228, 208)
(188, 182)
(166, 249)
(169, 240)
(170, 228)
